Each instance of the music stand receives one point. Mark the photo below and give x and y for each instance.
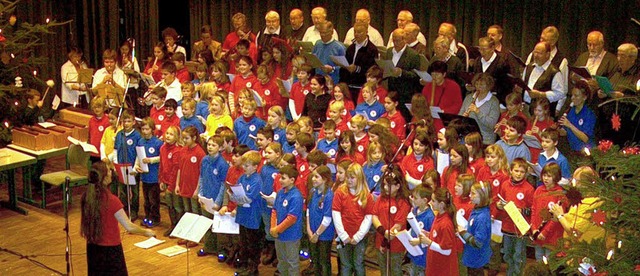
(464, 125)
(112, 94)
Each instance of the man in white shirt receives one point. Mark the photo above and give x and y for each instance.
(318, 15)
(363, 16)
(544, 78)
(405, 17)
(597, 60)
(71, 88)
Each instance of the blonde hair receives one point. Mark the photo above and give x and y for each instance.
(253, 157)
(359, 121)
(362, 190)
(280, 113)
(373, 146)
(206, 89)
(305, 120)
(175, 131)
(503, 163)
(337, 106)
(96, 102)
(189, 103)
(466, 180)
(220, 99)
(484, 192)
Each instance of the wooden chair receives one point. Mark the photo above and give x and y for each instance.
(76, 168)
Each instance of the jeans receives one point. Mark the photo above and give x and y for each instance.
(287, 252)
(174, 204)
(514, 254)
(266, 220)
(321, 257)
(190, 205)
(542, 251)
(352, 258)
(395, 267)
(151, 192)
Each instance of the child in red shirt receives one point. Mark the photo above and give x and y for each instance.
(458, 164)
(357, 125)
(97, 124)
(157, 97)
(299, 91)
(473, 142)
(541, 121)
(545, 228)
(167, 171)
(442, 258)
(188, 175)
(398, 122)
(419, 161)
(347, 150)
(515, 107)
(170, 119)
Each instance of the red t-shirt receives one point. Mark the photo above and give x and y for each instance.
(362, 143)
(381, 93)
(351, 209)
(346, 112)
(356, 157)
(495, 181)
(96, 129)
(504, 116)
(270, 93)
(166, 123)
(416, 169)
(397, 124)
(298, 93)
(442, 233)
(449, 181)
(183, 75)
(233, 175)
(476, 164)
(157, 74)
(399, 211)
(542, 199)
(110, 205)
(168, 169)
(535, 152)
(522, 197)
(282, 72)
(189, 167)
(240, 82)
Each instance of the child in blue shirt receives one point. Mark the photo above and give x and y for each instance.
(272, 155)
(278, 122)
(202, 107)
(188, 116)
(125, 153)
(320, 229)
(291, 133)
(371, 107)
(286, 222)
(246, 127)
(477, 235)
(248, 213)
(550, 153)
(213, 172)
(329, 144)
(512, 142)
(373, 167)
(421, 216)
(150, 187)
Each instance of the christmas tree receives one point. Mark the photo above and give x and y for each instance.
(618, 252)
(18, 40)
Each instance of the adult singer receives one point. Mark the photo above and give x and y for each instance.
(101, 212)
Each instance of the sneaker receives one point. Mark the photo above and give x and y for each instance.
(202, 253)
(143, 222)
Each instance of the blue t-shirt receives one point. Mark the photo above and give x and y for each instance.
(480, 229)
(245, 130)
(373, 112)
(425, 220)
(213, 172)
(202, 109)
(562, 161)
(324, 51)
(250, 217)
(151, 149)
(280, 135)
(289, 203)
(329, 148)
(373, 174)
(318, 208)
(585, 121)
(125, 146)
(288, 148)
(268, 174)
(192, 121)
(514, 151)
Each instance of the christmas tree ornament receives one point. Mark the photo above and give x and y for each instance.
(598, 217)
(615, 122)
(604, 145)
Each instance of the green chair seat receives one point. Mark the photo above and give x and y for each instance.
(58, 178)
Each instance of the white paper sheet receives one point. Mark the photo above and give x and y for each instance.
(142, 154)
(225, 224)
(55, 103)
(434, 112)
(192, 227)
(423, 75)
(340, 60)
(411, 218)
(151, 242)
(496, 231)
(238, 191)
(207, 203)
(172, 251)
(404, 238)
(387, 67)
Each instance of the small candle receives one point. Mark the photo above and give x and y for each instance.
(74, 104)
(587, 151)
(16, 103)
(35, 73)
(609, 255)
(619, 244)
(47, 21)
(544, 260)
(13, 56)
(6, 124)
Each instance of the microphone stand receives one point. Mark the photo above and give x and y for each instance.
(387, 171)
(67, 196)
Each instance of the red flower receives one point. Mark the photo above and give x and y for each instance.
(2, 38)
(615, 122)
(631, 150)
(604, 145)
(561, 254)
(598, 217)
(637, 268)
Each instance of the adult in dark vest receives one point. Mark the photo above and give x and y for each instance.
(495, 65)
(597, 60)
(544, 78)
(403, 80)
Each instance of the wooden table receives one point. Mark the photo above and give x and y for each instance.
(10, 160)
(40, 156)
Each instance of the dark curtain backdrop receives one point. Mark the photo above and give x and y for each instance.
(96, 23)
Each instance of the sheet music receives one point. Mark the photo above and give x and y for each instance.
(411, 218)
(238, 191)
(435, 110)
(404, 238)
(496, 231)
(207, 203)
(423, 75)
(192, 227)
(517, 217)
(340, 60)
(122, 171)
(151, 242)
(225, 224)
(387, 67)
(142, 154)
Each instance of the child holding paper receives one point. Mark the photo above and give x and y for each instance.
(424, 216)
(477, 235)
(545, 228)
(97, 125)
(389, 217)
(441, 258)
(248, 213)
(213, 172)
(286, 222)
(188, 175)
(150, 146)
(268, 170)
(125, 153)
(520, 192)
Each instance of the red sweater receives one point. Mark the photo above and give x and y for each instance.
(449, 181)
(362, 144)
(189, 169)
(399, 211)
(542, 198)
(522, 196)
(168, 169)
(442, 233)
(535, 153)
(96, 129)
(183, 75)
(446, 96)
(298, 93)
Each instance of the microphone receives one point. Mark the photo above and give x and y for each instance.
(419, 122)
